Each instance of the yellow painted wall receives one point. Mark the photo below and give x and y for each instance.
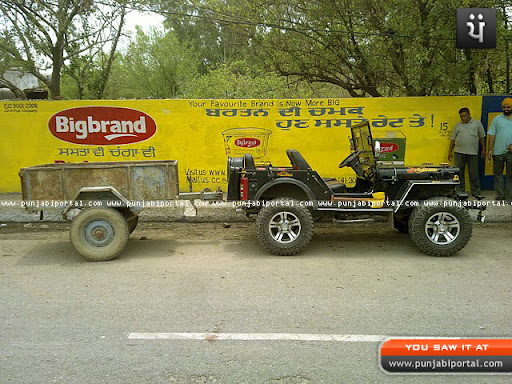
(200, 134)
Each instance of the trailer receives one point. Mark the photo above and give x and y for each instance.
(103, 200)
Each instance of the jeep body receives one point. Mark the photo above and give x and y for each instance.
(400, 192)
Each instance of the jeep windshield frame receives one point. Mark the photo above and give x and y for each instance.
(362, 141)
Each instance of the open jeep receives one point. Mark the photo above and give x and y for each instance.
(420, 200)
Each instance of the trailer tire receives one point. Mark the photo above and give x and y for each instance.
(99, 234)
(285, 227)
(438, 229)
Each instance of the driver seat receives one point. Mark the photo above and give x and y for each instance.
(299, 163)
(335, 185)
(297, 160)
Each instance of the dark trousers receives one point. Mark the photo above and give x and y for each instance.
(461, 160)
(498, 163)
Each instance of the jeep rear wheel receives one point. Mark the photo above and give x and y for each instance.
(285, 227)
(439, 227)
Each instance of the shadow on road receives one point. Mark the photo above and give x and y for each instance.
(62, 252)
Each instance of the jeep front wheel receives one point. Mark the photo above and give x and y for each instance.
(284, 227)
(439, 227)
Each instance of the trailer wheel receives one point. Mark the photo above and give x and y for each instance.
(99, 234)
(438, 227)
(285, 227)
(132, 221)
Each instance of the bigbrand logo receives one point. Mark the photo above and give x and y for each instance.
(388, 147)
(102, 125)
(247, 142)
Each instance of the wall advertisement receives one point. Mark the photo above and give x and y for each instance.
(201, 134)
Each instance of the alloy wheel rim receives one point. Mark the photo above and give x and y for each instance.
(442, 228)
(284, 227)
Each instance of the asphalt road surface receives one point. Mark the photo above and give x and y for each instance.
(242, 315)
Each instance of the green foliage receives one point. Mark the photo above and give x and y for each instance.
(240, 80)
(47, 34)
(255, 48)
(155, 65)
(367, 47)
(202, 26)
(236, 80)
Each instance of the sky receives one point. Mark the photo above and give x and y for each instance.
(144, 20)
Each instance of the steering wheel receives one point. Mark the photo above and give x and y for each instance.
(351, 159)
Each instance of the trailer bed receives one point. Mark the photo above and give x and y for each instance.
(134, 180)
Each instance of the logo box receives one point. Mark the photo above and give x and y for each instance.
(102, 125)
(392, 146)
(476, 28)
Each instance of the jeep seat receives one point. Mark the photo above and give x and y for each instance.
(298, 162)
(335, 185)
(249, 161)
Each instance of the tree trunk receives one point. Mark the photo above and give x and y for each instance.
(489, 79)
(471, 86)
(54, 85)
(80, 90)
(106, 72)
(14, 89)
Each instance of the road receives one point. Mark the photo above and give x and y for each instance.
(66, 320)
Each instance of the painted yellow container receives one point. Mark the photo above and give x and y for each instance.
(239, 141)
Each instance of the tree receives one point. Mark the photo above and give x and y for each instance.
(155, 65)
(199, 24)
(242, 80)
(7, 62)
(48, 33)
(367, 47)
(91, 69)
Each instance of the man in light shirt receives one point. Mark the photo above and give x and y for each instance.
(466, 136)
(500, 149)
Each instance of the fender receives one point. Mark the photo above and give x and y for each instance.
(404, 192)
(94, 191)
(286, 180)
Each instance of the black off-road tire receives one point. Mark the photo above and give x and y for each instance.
(452, 225)
(99, 234)
(294, 237)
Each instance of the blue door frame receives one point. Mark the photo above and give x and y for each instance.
(489, 104)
